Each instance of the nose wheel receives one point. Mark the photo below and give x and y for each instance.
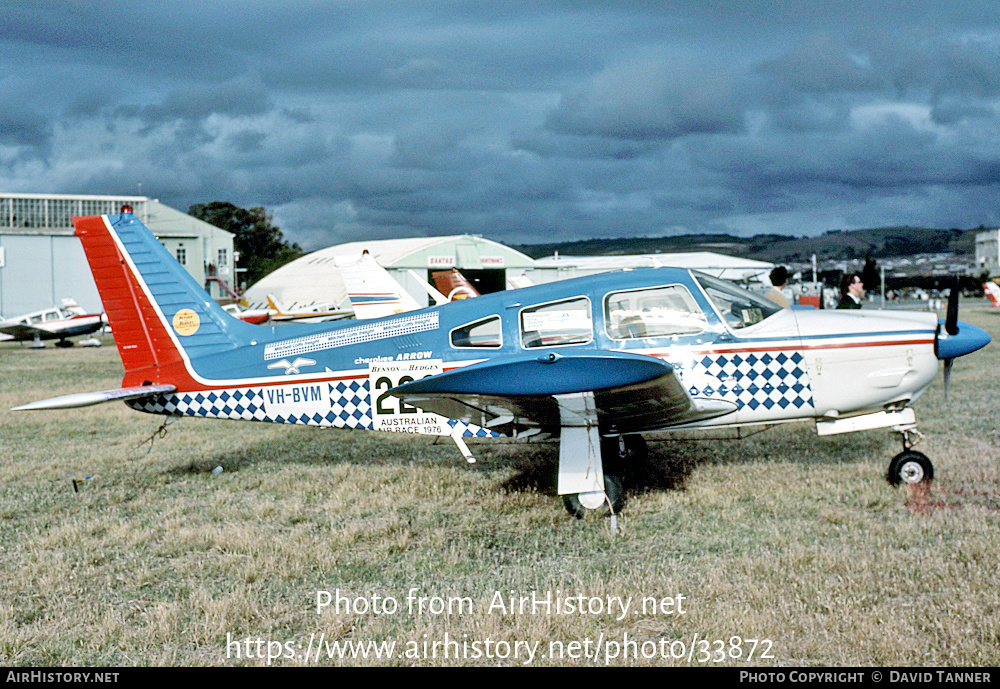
(909, 467)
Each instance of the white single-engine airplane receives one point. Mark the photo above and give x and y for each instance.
(56, 323)
(316, 313)
(595, 361)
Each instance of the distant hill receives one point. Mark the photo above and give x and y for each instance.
(834, 245)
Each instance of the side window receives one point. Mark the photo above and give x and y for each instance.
(654, 312)
(560, 323)
(737, 306)
(485, 333)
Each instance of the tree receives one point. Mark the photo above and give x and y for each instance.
(261, 246)
(871, 276)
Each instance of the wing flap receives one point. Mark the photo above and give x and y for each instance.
(87, 399)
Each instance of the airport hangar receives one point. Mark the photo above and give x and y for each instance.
(489, 265)
(42, 262)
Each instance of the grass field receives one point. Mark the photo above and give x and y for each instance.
(122, 544)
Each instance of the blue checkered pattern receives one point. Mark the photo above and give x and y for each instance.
(755, 380)
(350, 407)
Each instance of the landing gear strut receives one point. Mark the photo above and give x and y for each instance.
(619, 454)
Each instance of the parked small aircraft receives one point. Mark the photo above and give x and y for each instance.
(595, 361)
(255, 316)
(56, 323)
(315, 313)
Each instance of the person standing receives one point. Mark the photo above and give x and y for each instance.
(851, 292)
(779, 278)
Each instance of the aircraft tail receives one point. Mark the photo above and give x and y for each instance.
(272, 305)
(454, 284)
(992, 292)
(372, 291)
(159, 315)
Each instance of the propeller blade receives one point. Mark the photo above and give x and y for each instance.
(947, 375)
(951, 320)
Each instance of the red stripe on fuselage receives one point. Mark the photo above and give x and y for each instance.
(792, 347)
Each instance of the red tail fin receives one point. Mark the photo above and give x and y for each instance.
(992, 292)
(142, 341)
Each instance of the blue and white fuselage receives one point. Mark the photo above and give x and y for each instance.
(606, 356)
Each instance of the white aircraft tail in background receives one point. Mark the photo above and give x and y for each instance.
(372, 291)
(519, 281)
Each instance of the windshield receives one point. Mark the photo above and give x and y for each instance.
(738, 307)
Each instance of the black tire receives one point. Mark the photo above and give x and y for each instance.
(614, 491)
(910, 467)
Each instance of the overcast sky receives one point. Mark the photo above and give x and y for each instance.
(520, 121)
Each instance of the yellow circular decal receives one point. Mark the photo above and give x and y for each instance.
(186, 322)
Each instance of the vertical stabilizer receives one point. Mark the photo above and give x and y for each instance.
(159, 315)
(372, 291)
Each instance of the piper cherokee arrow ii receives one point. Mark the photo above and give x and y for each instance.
(595, 361)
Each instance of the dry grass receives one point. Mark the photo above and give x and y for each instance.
(150, 558)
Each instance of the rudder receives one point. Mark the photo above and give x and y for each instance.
(159, 315)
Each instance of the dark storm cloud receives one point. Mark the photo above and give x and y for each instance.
(521, 121)
(195, 102)
(651, 99)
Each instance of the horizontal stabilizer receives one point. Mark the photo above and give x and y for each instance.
(87, 399)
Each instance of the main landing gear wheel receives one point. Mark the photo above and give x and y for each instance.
(910, 467)
(579, 504)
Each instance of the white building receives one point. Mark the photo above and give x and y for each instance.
(42, 262)
(721, 266)
(988, 252)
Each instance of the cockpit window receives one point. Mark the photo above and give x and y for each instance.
(560, 323)
(737, 306)
(485, 333)
(654, 312)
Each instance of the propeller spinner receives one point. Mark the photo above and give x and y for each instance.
(955, 338)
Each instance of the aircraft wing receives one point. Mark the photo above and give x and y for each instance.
(23, 331)
(631, 392)
(86, 399)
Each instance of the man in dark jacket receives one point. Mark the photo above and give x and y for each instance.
(851, 292)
